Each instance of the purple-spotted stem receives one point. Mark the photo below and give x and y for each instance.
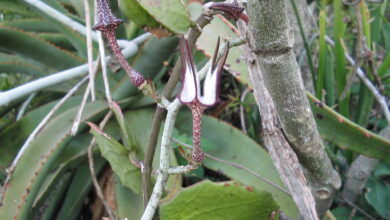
(191, 95)
(107, 23)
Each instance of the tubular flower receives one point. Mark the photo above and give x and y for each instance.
(107, 22)
(191, 95)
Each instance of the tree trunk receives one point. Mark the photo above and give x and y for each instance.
(270, 41)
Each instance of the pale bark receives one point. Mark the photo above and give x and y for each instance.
(359, 172)
(271, 40)
(283, 157)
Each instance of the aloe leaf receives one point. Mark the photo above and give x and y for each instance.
(28, 44)
(55, 197)
(31, 24)
(228, 143)
(118, 157)
(225, 200)
(17, 64)
(58, 39)
(13, 136)
(78, 189)
(340, 70)
(154, 14)
(15, 7)
(329, 78)
(322, 56)
(346, 134)
(36, 162)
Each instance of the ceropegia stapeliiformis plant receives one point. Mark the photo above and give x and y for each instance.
(191, 94)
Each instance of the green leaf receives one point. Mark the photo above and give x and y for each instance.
(17, 64)
(30, 45)
(130, 205)
(130, 140)
(378, 196)
(382, 170)
(13, 136)
(230, 144)
(346, 134)
(154, 13)
(36, 161)
(78, 189)
(15, 7)
(118, 157)
(31, 24)
(226, 200)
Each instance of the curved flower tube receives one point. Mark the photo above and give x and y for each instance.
(191, 95)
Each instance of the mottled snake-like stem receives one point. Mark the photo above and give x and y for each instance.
(107, 22)
(135, 77)
(197, 112)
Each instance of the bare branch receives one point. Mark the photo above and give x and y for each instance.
(362, 76)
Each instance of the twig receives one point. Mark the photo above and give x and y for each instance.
(162, 177)
(379, 97)
(24, 106)
(239, 166)
(56, 78)
(89, 49)
(356, 207)
(104, 68)
(65, 20)
(99, 191)
(77, 119)
(242, 111)
(39, 127)
(358, 50)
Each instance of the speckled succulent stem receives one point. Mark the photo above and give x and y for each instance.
(135, 77)
(197, 112)
(107, 22)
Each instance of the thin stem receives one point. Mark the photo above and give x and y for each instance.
(242, 110)
(39, 127)
(87, 92)
(89, 49)
(99, 191)
(378, 96)
(24, 106)
(162, 177)
(104, 68)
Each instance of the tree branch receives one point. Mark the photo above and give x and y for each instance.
(271, 40)
(362, 76)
